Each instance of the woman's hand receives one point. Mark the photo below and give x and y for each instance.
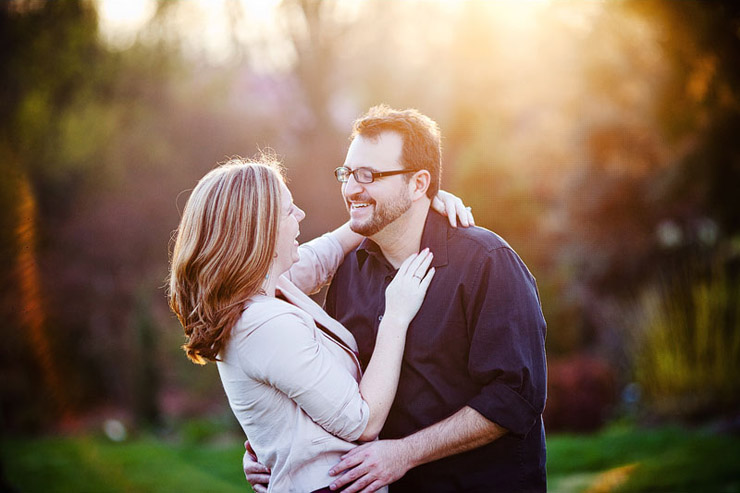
(404, 295)
(451, 206)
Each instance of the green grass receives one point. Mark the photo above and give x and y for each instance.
(95, 464)
(669, 459)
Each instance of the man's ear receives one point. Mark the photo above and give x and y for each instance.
(419, 183)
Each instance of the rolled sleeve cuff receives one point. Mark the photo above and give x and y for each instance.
(506, 408)
(351, 435)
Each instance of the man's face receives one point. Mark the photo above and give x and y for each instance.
(372, 206)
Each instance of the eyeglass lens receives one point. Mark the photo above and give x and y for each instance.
(362, 175)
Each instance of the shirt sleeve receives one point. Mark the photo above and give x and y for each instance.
(319, 260)
(290, 359)
(507, 349)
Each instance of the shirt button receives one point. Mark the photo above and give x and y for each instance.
(380, 318)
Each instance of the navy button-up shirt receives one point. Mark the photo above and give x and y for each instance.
(478, 340)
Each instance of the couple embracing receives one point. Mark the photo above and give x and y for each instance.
(431, 338)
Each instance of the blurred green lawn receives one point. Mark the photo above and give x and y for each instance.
(621, 458)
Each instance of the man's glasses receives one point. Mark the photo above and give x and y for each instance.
(365, 175)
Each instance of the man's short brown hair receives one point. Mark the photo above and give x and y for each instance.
(422, 148)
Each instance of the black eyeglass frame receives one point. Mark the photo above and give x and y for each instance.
(373, 174)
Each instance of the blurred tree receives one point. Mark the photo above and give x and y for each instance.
(699, 110)
(46, 51)
(660, 163)
(317, 33)
(661, 167)
(71, 107)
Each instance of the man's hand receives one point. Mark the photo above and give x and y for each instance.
(371, 466)
(257, 474)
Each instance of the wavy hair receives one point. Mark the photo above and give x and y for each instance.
(223, 250)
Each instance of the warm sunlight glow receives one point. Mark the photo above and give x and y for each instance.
(120, 20)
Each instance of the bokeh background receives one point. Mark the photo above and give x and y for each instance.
(600, 138)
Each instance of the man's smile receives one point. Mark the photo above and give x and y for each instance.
(359, 204)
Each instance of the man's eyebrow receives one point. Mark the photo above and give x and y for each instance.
(371, 168)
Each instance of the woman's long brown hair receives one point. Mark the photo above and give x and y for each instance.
(223, 251)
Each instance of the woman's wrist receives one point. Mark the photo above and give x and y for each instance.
(348, 239)
(394, 321)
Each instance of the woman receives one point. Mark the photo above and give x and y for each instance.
(238, 284)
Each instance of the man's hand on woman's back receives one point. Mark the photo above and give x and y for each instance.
(257, 474)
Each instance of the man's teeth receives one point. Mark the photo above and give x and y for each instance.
(356, 205)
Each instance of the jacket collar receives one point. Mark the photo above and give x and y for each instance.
(298, 298)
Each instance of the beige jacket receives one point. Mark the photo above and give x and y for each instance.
(293, 388)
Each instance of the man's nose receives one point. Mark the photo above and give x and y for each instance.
(351, 187)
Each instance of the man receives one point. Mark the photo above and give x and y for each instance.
(468, 410)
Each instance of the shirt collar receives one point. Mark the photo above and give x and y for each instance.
(435, 234)
(367, 247)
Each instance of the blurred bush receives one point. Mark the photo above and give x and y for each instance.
(687, 356)
(581, 394)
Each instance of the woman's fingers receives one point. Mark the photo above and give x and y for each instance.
(450, 209)
(439, 205)
(418, 267)
(422, 267)
(404, 267)
(412, 261)
(454, 208)
(424, 284)
(462, 212)
(417, 264)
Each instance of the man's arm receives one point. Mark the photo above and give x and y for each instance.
(379, 463)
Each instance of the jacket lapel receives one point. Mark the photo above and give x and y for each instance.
(302, 301)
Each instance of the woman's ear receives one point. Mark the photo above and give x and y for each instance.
(419, 184)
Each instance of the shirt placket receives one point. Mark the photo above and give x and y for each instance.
(388, 273)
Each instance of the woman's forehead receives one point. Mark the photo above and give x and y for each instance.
(286, 198)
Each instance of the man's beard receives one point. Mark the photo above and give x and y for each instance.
(383, 214)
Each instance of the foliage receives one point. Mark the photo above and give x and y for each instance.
(687, 358)
(581, 394)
